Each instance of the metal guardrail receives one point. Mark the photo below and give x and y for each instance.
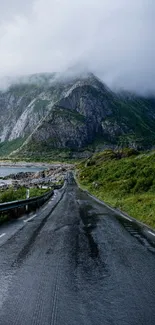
(27, 202)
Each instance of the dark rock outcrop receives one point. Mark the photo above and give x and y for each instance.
(73, 115)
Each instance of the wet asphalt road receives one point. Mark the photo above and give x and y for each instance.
(77, 263)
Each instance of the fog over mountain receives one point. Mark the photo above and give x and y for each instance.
(112, 38)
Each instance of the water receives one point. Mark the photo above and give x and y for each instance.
(4, 171)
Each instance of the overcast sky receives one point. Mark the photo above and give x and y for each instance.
(112, 38)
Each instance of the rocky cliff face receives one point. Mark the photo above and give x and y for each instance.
(72, 114)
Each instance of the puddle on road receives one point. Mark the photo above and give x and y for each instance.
(94, 251)
(90, 255)
(89, 219)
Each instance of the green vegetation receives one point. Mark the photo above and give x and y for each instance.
(42, 152)
(12, 195)
(40, 105)
(124, 179)
(3, 218)
(71, 115)
(37, 192)
(8, 146)
(20, 194)
(133, 112)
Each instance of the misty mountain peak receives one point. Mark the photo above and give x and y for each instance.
(74, 113)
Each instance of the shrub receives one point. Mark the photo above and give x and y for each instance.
(12, 195)
(8, 196)
(147, 171)
(143, 184)
(128, 186)
(128, 152)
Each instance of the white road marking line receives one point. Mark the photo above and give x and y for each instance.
(2, 235)
(152, 233)
(44, 208)
(122, 215)
(30, 218)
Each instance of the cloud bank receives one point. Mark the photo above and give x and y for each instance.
(112, 38)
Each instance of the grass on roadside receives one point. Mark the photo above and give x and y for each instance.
(20, 194)
(13, 195)
(125, 180)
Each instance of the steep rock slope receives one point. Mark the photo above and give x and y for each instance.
(56, 113)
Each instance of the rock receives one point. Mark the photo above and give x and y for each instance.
(54, 174)
(73, 115)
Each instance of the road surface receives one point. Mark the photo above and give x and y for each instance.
(76, 263)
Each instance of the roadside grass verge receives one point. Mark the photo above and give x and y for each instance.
(14, 195)
(20, 194)
(123, 179)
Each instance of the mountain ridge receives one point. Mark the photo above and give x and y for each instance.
(72, 114)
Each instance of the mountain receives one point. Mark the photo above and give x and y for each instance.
(47, 114)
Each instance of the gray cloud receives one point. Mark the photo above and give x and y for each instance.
(112, 38)
(11, 8)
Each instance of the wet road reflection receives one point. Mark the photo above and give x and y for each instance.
(79, 263)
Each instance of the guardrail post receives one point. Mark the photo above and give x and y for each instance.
(27, 197)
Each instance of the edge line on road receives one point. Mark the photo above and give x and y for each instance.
(117, 211)
(30, 218)
(2, 235)
(150, 232)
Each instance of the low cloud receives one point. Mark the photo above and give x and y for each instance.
(112, 38)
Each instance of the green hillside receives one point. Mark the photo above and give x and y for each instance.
(124, 179)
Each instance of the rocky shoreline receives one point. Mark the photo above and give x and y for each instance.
(52, 175)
